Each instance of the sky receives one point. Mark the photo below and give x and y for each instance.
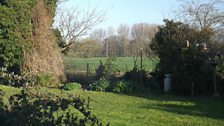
(128, 11)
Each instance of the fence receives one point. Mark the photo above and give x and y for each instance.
(84, 69)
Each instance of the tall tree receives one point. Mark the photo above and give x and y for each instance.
(27, 43)
(124, 33)
(85, 48)
(187, 64)
(202, 14)
(74, 23)
(142, 35)
(98, 35)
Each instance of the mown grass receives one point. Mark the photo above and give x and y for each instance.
(148, 109)
(123, 63)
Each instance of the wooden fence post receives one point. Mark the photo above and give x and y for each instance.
(87, 71)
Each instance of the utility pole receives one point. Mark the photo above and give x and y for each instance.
(141, 67)
(107, 48)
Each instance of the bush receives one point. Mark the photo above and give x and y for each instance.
(16, 30)
(100, 85)
(12, 79)
(220, 68)
(124, 86)
(30, 107)
(135, 75)
(46, 80)
(72, 86)
(100, 70)
(107, 69)
(188, 65)
(140, 76)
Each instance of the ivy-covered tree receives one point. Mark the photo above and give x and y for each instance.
(15, 29)
(27, 44)
(58, 37)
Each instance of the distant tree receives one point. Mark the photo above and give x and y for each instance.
(85, 48)
(124, 33)
(202, 14)
(98, 35)
(110, 32)
(74, 23)
(112, 46)
(142, 35)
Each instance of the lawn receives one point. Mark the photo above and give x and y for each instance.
(148, 109)
(123, 63)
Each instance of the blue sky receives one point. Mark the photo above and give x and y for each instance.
(128, 11)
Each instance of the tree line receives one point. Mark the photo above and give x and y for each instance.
(123, 41)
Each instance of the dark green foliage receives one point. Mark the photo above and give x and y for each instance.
(121, 87)
(144, 79)
(3, 2)
(16, 28)
(107, 69)
(220, 68)
(100, 85)
(45, 80)
(136, 75)
(51, 6)
(124, 86)
(59, 37)
(100, 70)
(31, 107)
(133, 81)
(188, 65)
(72, 86)
(12, 79)
(18, 80)
(110, 66)
(15, 31)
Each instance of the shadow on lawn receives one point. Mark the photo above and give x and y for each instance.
(186, 106)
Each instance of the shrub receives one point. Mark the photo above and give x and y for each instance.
(124, 86)
(100, 70)
(12, 79)
(100, 85)
(188, 65)
(30, 107)
(140, 76)
(220, 68)
(46, 80)
(135, 75)
(107, 69)
(72, 86)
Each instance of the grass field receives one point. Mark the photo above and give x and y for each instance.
(123, 63)
(148, 110)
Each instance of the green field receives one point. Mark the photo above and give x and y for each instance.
(122, 63)
(148, 109)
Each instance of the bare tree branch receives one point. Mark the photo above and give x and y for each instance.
(202, 14)
(74, 23)
(61, 1)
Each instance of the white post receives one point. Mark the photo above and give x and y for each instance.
(167, 82)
